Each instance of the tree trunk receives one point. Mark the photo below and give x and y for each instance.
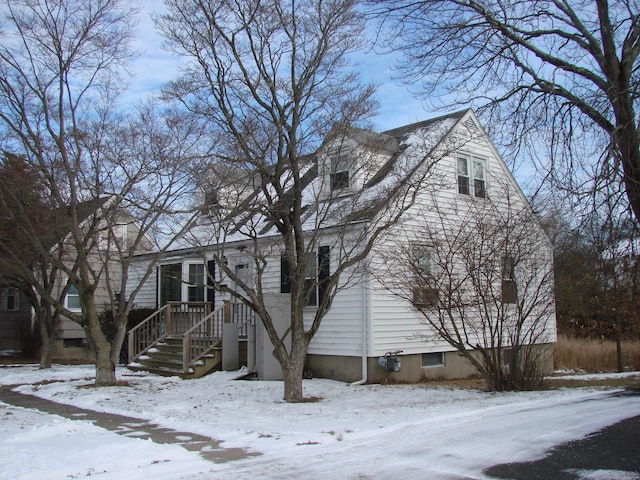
(619, 352)
(118, 340)
(47, 326)
(293, 369)
(293, 383)
(105, 368)
(46, 353)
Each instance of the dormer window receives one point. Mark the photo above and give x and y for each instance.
(210, 202)
(471, 169)
(339, 172)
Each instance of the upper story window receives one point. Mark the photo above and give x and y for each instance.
(472, 174)
(339, 172)
(9, 300)
(210, 202)
(72, 299)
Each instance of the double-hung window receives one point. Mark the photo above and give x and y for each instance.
(195, 289)
(316, 276)
(73, 299)
(10, 300)
(424, 294)
(471, 177)
(113, 238)
(210, 202)
(310, 280)
(339, 172)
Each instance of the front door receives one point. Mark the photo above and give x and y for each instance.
(170, 283)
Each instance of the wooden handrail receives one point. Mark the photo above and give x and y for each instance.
(141, 336)
(201, 329)
(202, 338)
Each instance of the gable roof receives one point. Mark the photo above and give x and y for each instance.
(407, 154)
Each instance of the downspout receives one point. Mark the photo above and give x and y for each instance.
(365, 296)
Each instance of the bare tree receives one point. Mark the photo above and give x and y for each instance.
(557, 77)
(113, 181)
(28, 221)
(481, 276)
(270, 77)
(149, 157)
(596, 258)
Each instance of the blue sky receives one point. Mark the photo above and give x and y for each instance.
(397, 107)
(155, 67)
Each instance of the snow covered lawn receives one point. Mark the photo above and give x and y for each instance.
(350, 432)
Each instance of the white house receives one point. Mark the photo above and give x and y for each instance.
(443, 163)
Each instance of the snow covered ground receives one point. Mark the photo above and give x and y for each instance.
(350, 432)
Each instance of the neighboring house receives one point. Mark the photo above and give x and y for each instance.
(72, 340)
(16, 314)
(15, 319)
(365, 321)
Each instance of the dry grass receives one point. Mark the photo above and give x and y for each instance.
(594, 356)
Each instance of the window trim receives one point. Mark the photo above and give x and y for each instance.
(10, 293)
(472, 182)
(320, 260)
(72, 292)
(340, 174)
(186, 287)
(509, 287)
(115, 242)
(422, 295)
(311, 279)
(210, 203)
(198, 285)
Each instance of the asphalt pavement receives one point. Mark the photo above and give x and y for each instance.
(609, 454)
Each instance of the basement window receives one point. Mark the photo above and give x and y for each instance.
(435, 359)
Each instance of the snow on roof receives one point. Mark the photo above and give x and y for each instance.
(407, 148)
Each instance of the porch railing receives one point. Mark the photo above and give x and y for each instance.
(200, 339)
(144, 335)
(201, 329)
(174, 318)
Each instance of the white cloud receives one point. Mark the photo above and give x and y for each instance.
(156, 66)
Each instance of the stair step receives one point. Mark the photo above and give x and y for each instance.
(166, 357)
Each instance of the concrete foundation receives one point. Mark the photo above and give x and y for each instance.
(349, 369)
(64, 353)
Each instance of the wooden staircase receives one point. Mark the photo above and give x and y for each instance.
(166, 358)
(184, 338)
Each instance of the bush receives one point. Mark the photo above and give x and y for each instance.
(136, 316)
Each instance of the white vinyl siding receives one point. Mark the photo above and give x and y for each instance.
(341, 329)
